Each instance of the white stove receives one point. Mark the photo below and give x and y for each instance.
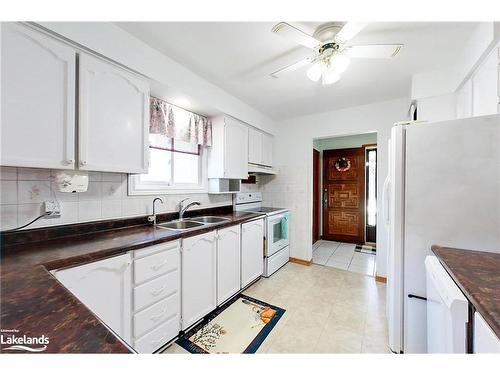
(276, 249)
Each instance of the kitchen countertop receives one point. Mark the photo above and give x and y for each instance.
(35, 303)
(477, 274)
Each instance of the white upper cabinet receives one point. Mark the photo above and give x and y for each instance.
(254, 146)
(38, 99)
(228, 155)
(113, 118)
(260, 147)
(486, 86)
(267, 150)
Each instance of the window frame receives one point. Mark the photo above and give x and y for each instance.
(138, 187)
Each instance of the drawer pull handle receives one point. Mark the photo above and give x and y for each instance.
(155, 318)
(158, 266)
(158, 291)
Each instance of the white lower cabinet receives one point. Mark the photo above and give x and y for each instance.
(228, 263)
(157, 296)
(252, 251)
(198, 277)
(105, 288)
(485, 340)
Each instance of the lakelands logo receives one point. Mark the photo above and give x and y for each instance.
(23, 343)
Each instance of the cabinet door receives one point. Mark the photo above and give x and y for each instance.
(485, 340)
(235, 149)
(113, 118)
(485, 86)
(254, 146)
(252, 251)
(267, 150)
(38, 99)
(198, 278)
(228, 263)
(105, 288)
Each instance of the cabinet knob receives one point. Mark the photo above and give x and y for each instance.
(69, 161)
(83, 162)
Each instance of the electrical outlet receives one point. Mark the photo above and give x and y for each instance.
(52, 208)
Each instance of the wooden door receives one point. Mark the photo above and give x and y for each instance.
(228, 263)
(252, 251)
(113, 114)
(344, 195)
(37, 100)
(316, 195)
(198, 277)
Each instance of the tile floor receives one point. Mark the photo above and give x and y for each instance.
(328, 310)
(342, 255)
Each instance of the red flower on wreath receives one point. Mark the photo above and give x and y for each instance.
(342, 165)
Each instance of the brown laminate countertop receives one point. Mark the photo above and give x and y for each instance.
(477, 274)
(35, 303)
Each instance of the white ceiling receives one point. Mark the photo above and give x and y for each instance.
(238, 57)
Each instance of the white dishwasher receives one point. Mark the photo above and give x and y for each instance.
(447, 311)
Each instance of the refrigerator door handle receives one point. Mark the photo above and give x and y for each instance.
(385, 202)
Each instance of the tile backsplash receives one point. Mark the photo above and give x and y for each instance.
(23, 191)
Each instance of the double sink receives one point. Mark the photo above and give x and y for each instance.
(194, 222)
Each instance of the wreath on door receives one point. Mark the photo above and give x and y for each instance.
(342, 165)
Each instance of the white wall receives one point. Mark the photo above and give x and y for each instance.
(448, 79)
(116, 44)
(292, 188)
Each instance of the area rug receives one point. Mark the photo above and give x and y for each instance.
(238, 326)
(366, 249)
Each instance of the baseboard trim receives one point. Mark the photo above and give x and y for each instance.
(381, 279)
(301, 261)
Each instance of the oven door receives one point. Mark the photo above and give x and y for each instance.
(277, 233)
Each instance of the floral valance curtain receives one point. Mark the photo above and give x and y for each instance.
(177, 123)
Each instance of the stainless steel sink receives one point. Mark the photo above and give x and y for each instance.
(208, 219)
(180, 225)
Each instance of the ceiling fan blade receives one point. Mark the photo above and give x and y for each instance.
(290, 68)
(298, 36)
(349, 31)
(374, 51)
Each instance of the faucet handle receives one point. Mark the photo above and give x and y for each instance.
(182, 201)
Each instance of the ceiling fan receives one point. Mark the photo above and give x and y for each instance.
(332, 49)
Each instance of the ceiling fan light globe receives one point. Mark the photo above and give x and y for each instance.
(340, 62)
(328, 77)
(315, 71)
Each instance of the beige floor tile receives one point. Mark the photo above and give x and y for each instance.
(328, 310)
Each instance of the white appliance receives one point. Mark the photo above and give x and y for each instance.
(447, 311)
(276, 249)
(443, 188)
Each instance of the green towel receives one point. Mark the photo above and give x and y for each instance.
(284, 226)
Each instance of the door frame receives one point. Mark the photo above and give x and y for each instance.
(368, 147)
(316, 227)
(342, 238)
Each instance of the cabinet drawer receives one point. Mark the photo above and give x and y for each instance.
(150, 250)
(149, 318)
(158, 337)
(156, 265)
(156, 289)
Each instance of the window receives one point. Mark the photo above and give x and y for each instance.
(174, 167)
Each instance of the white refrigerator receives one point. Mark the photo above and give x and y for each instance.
(443, 188)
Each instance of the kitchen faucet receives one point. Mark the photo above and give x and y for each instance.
(183, 209)
(152, 218)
